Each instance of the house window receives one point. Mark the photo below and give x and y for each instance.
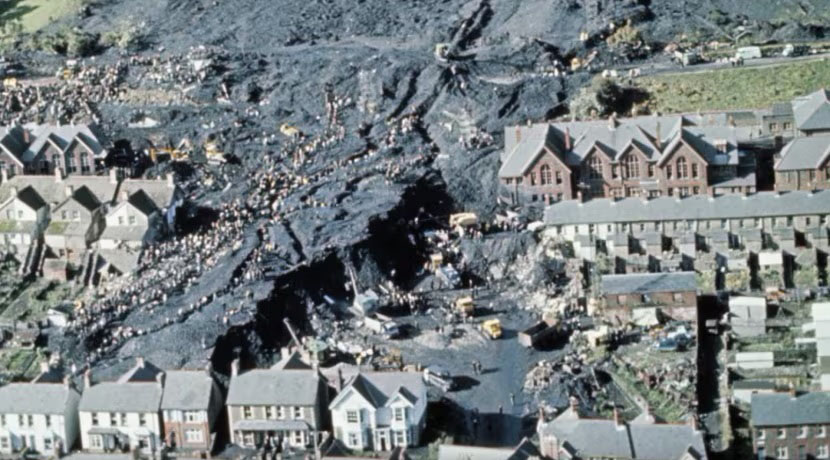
(802, 432)
(558, 177)
(788, 126)
(822, 451)
(782, 433)
(132, 220)
(84, 164)
(193, 435)
(789, 221)
(19, 214)
(650, 170)
(668, 172)
(94, 419)
(696, 190)
(280, 412)
(595, 168)
(773, 126)
(695, 171)
(399, 414)
(615, 172)
(298, 437)
(352, 441)
(30, 419)
(142, 419)
(96, 441)
(720, 145)
(47, 444)
(269, 412)
(812, 174)
(10, 214)
(632, 167)
(298, 412)
(781, 453)
(351, 416)
(48, 421)
(193, 416)
(247, 412)
(70, 164)
(120, 220)
(4, 443)
(64, 215)
(113, 419)
(682, 172)
(400, 438)
(2, 420)
(760, 434)
(545, 175)
(678, 297)
(821, 431)
(76, 215)
(533, 178)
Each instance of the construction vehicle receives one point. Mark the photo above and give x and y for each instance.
(465, 306)
(10, 82)
(435, 261)
(491, 328)
(173, 154)
(439, 377)
(541, 333)
(213, 154)
(290, 131)
(463, 219)
(383, 325)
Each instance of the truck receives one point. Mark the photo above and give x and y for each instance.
(464, 306)
(491, 328)
(439, 377)
(748, 52)
(383, 325)
(540, 333)
(449, 276)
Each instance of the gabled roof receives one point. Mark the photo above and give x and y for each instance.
(62, 137)
(278, 387)
(812, 112)
(142, 202)
(809, 152)
(122, 397)
(532, 142)
(524, 451)
(188, 390)
(84, 197)
(36, 398)
(380, 388)
(781, 409)
(142, 371)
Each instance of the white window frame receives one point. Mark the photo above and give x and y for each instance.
(803, 431)
(192, 416)
(821, 431)
(399, 414)
(247, 412)
(822, 451)
(352, 439)
(281, 412)
(297, 412)
(782, 433)
(782, 453)
(192, 435)
(352, 416)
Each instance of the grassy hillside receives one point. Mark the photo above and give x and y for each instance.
(35, 14)
(734, 88)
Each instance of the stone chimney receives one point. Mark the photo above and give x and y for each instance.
(170, 180)
(693, 422)
(792, 391)
(139, 361)
(160, 379)
(124, 195)
(88, 379)
(113, 176)
(235, 367)
(209, 369)
(58, 175)
(518, 134)
(68, 191)
(612, 121)
(4, 175)
(617, 418)
(44, 367)
(13, 190)
(27, 137)
(657, 135)
(567, 139)
(574, 403)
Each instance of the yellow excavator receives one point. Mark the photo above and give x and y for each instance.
(174, 154)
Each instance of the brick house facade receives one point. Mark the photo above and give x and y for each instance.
(787, 426)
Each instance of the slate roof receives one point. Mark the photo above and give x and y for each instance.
(380, 387)
(54, 192)
(524, 451)
(157, 190)
(188, 390)
(648, 282)
(809, 152)
(86, 198)
(122, 397)
(780, 409)
(35, 398)
(812, 112)
(589, 438)
(124, 233)
(696, 207)
(122, 260)
(524, 151)
(274, 387)
(63, 137)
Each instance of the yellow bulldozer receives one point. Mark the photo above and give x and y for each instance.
(491, 328)
(173, 154)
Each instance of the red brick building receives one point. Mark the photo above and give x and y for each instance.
(674, 294)
(791, 426)
(645, 156)
(190, 406)
(804, 164)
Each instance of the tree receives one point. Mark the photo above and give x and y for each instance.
(806, 277)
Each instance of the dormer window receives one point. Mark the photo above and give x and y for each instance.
(721, 145)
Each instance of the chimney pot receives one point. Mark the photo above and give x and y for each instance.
(235, 367)
(113, 176)
(567, 139)
(88, 379)
(44, 366)
(139, 361)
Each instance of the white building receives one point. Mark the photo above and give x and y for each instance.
(380, 410)
(41, 415)
(123, 415)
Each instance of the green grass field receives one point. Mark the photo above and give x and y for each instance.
(734, 88)
(35, 14)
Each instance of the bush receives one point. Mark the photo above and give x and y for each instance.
(625, 35)
(125, 36)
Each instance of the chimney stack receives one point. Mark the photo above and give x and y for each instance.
(124, 195)
(88, 379)
(26, 136)
(68, 191)
(5, 175)
(567, 139)
(657, 135)
(160, 379)
(44, 367)
(170, 182)
(235, 367)
(58, 175)
(139, 361)
(518, 134)
(612, 121)
(340, 382)
(574, 403)
(793, 392)
(113, 176)
(617, 418)
(209, 369)
(693, 422)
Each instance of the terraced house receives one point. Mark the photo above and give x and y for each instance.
(39, 416)
(42, 149)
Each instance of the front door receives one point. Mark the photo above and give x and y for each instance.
(383, 441)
